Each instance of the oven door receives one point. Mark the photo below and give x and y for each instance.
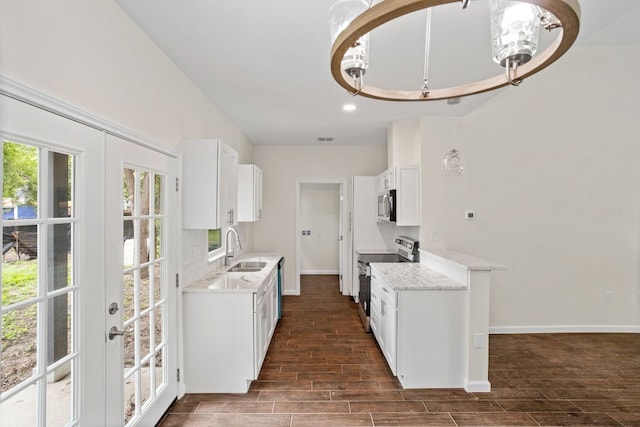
(364, 295)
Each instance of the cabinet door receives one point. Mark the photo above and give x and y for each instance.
(274, 305)
(374, 307)
(408, 196)
(228, 177)
(258, 194)
(258, 332)
(388, 325)
(249, 193)
(390, 179)
(200, 186)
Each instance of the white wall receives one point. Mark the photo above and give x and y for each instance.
(553, 174)
(283, 167)
(320, 214)
(91, 55)
(403, 143)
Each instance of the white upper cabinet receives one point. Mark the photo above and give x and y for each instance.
(249, 193)
(229, 185)
(387, 180)
(209, 184)
(408, 194)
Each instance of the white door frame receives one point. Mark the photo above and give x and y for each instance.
(341, 241)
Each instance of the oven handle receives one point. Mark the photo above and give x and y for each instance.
(363, 269)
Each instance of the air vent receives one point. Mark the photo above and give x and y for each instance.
(325, 138)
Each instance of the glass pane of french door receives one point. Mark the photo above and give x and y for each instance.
(142, 287)
(39, 354)
(143, 356)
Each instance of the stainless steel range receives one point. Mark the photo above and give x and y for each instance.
(406, 251)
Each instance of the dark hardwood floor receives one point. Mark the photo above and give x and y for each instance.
(322, 369)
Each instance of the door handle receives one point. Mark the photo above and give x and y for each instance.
(114, 332)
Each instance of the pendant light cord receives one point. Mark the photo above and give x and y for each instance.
(427, 51)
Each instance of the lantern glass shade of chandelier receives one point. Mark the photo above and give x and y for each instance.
(356, 60)
(515, 26)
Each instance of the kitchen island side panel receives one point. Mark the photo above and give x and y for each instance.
(218, 342)
(431, 338)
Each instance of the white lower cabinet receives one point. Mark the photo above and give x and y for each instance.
(374, 306)
(226, 337)
(383, 318)
(265, 318)
(422, 333)
(388, 324)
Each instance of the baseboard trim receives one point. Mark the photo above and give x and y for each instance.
(477, 386)
(320, 272)
(559, 329)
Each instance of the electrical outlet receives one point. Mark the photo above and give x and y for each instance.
(479, 341)
(434, 236)
(469, 215)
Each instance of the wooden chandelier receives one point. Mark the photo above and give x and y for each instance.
(566, 11)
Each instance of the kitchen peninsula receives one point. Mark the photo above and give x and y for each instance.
(231, 314)
(431, 319)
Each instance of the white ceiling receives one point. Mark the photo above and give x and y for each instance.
(265, 64)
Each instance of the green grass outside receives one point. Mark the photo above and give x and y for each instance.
(19, 283)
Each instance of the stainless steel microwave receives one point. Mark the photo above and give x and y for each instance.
(387, 206)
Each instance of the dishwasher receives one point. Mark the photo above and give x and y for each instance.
(280, 286)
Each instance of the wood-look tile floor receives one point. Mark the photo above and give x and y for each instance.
(322, 369)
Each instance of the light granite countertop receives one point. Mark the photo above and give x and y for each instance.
(415, 276)
(221, 280)
(469, 261)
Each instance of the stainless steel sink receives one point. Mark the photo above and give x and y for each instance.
(251, 264)
(248, 266)
(236, 269)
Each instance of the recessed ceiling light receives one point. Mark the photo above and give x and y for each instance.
(349, 107)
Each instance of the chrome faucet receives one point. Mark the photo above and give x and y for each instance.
(237, 245)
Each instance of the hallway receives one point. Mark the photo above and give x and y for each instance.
(322, 369)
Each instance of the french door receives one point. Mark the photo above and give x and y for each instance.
(52, 226)
(141, 345)
(88, 221)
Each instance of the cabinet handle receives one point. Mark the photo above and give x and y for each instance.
(385, 289)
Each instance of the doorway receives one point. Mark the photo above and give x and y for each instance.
(319, 229)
